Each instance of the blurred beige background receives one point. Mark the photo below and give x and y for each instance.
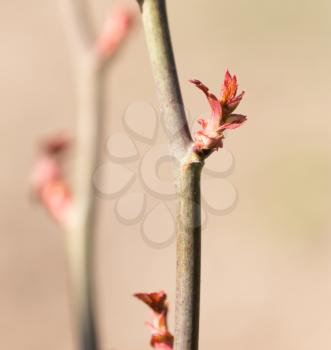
(267, 265)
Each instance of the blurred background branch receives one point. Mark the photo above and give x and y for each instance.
(78, 24)
(92, 55)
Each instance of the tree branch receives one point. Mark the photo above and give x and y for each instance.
(188, 257)
(77, 24)
(188, 173)
(164, 69)
(79, 237)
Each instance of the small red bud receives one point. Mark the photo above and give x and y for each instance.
(47, 181)
(210, 136)
(161, 339)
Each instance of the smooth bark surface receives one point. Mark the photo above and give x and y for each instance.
(189, 167)
(188, 257)
(80, 235)
(165, 75)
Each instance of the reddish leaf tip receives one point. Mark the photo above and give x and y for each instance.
(156, 301)
(161, 339)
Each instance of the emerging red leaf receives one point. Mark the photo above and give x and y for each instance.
(156, 301)
(233, 121)
(229, 99)
(161, 339)
(210, 137)
(212, 99)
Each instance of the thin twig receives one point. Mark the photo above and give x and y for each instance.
(93, 56)
(164, 69)
(81, 235)
(80, 243)
(188, 177)
(188, 257)
(77, 24)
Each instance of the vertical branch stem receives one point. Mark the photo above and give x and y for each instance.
(158, 40)
(188, 257)
(91, 60)
(88, 136)
(79, 238)
(188, 181)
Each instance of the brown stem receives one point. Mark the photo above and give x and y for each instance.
(188, 181)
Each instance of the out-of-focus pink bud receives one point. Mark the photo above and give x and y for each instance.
(211, 136)
(47, 182)
(45, 170)
(115, 29)
(57, 144)
(57, 199)
(161, 339)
